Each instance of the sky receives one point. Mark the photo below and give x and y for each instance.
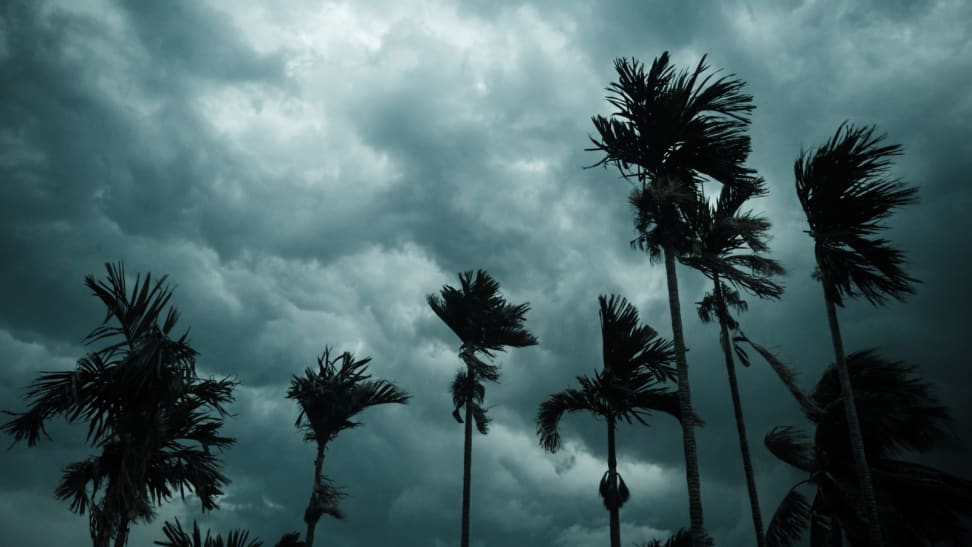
(306, 172)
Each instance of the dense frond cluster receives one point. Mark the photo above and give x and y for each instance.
(846, 194)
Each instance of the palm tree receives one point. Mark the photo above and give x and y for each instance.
(175, 536)
(681, 538)
(146, 409)
(846, 193)
(329, 397)
(919, 505)
(636, 360)
(730, 247)
(484, 322)
(671, 130)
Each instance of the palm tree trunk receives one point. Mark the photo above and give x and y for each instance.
(122, 538)
(685, 405)
(612, 473)
(740, 423)
(854, 425)
(466, 470)
(786, 375)
(313, 515)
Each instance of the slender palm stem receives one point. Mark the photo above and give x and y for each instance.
(122, 538)
(614, 510)
(312, 513)
(740, 422)
(466, 467)
(854, 425)
(685, 404)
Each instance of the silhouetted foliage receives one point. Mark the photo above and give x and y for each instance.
(635, 362)
(328, 398)
(485, 323)
(669, 132)
(681, 538)
(918, 505)
(175, 536)
(146, 409)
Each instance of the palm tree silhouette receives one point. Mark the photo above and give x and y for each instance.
(919, 505)
(484, 322)
(681, 538)
(329, 397)
(636, 361)
(146, 410)
(671, 130)
(846, 194)
(730, 247)
(175, 536)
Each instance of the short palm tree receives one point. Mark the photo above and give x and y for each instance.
(731, 246)
(918, 505)
(846, 193)
(175, 536)
(671, 129)
(328, 398)
(147, 411)
(484, 322)
(636, 362)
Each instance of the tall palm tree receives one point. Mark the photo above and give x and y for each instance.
(730, 248)
(846, 193)
(636, 361)
(146, 409)
(328, 398)
(670, 130)
(919, 505)
(484, 322)
(176, 536)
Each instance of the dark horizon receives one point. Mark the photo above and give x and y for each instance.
(307, 175)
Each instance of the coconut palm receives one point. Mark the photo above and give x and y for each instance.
(485, 323)
(919, 505)
(175, 536)
(328, 398)
(846, 193)
(671, 129)
(636, 362)
(730, 248)
(147, 411)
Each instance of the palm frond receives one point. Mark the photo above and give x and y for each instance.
(553, 409)
(790, 520)
(791, 446)
(846, 193)
(628, 346)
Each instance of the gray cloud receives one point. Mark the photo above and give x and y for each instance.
(307, 174)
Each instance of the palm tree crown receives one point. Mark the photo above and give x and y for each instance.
(146, 410)
(846, 193)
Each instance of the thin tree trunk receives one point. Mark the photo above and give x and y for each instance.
(740, 422)
(612, 474)
(122, 538)
(313, 514)
(786, 375)
(854, 426)
(685, 406)
(466, 468)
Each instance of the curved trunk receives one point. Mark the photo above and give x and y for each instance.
(466, 470)
(740, 423)
(854, 426)
(312, 515)
(685, 405)
(612, 473)
(786, 375)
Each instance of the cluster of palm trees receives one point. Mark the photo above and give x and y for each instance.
(156, 423)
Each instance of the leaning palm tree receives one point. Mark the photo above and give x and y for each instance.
(918, 505)
(484, 322)
(636, 362)
(669, 131)
(147, 411)
(731, 246)
(329, 397)
(176, 536)
(846, 193)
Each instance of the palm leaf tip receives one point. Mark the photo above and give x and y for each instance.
(790, 520)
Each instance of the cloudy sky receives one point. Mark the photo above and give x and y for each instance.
(306, 172)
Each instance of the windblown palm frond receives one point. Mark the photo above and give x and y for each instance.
(846, 194)
(790, 521)
(629, 347)
(467, 389)
(176, 536)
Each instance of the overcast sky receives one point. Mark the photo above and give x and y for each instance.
(307, 174)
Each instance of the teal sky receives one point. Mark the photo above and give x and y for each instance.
(307, 171)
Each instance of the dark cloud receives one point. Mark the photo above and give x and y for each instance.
(307, 174)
